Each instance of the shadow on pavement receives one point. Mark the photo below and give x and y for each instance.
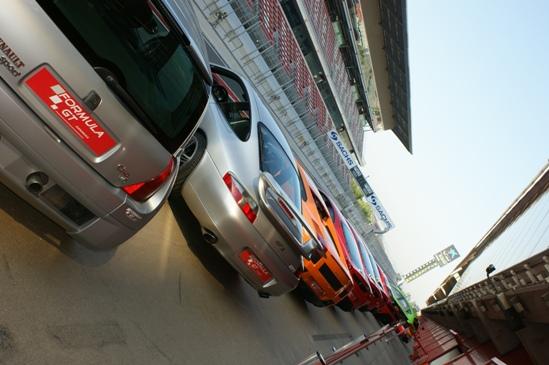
(216, 265)
(300, 303)
(49, 231)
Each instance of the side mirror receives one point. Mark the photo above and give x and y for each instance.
(220, 94)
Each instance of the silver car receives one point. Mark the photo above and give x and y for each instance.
(245, 191)
(97, 100)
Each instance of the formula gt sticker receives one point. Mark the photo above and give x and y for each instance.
(70, 111)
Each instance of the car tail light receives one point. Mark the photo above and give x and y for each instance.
(255, 265)
(246, 203)
(143, 190)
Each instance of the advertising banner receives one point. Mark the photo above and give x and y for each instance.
(341, 149)
(447, 255)
(380, 212)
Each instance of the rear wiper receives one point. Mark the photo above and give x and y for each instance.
(111, 81)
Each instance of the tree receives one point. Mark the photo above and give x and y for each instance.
(362, 204)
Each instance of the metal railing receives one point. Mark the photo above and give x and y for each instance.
(349, 349)
(321, 29)
(522, 288)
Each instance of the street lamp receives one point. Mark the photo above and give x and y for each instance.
(490, 269)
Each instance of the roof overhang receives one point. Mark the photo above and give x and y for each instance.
(387, 35)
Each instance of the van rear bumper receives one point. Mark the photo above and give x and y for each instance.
(75, 196)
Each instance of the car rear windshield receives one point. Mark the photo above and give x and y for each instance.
(142, 57)
(376, 270)
(350, 243)
(366, 259)
(275, 161)
(401, 300)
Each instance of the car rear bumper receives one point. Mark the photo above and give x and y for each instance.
(361, 296)
(361, 300)
(213, 206)
(324, 283)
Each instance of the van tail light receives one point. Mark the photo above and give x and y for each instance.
(246, 203)
(255, 265)
(143, 190)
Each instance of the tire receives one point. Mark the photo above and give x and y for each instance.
(345, 305)
(188, 160)
(383, 318)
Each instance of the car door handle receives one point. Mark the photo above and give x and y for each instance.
(92, 100)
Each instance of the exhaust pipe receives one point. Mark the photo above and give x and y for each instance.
(36, 182)
(209, 236)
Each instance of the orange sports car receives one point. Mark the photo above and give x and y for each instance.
(325, 280)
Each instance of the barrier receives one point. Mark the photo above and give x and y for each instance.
(350, 348)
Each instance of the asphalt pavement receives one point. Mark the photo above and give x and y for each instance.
(160, 298)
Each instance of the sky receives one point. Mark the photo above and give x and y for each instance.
(479, 74)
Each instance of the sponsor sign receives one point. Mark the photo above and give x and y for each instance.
(341, 149)
(380, 212)
(447, 255)
(66, 106)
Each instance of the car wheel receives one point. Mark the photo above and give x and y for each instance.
(382, 318)
(345, 305)
(188, 159)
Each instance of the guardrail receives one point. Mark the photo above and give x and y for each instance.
(523, 287)
(350, 348)
(509, 308)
